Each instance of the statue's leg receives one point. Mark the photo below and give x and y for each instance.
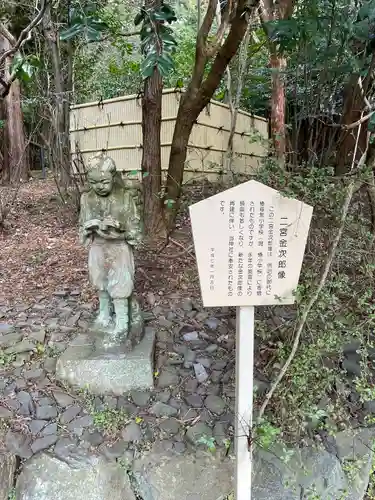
(120, 286)
(122, 317)
(98, 278)
(104, 317)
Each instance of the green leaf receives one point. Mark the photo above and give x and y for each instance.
(71, 32)
(139, 17)
(145, 174)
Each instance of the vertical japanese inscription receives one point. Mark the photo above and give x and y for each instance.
(250, 242)
(283, 248)
(231, 227)
(212, 269)
(260, 254)
(270, 248)
(240, 257)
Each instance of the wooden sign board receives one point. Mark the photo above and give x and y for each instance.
(249, 244)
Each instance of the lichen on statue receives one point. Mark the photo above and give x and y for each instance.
(111, 226)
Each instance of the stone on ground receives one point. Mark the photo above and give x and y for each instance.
(163, 477)
(45, 477)
(7, 471)
(108, 373)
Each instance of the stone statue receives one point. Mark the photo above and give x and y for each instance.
(111, 226)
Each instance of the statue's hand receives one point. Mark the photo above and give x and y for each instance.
(110, 222)
(91, 225)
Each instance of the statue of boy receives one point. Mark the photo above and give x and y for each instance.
(110, 224)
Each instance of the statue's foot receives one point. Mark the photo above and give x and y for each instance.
(115, 338)
(103, 321)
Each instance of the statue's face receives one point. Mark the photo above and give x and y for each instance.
(101, 182)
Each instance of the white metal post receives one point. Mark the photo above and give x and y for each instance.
(244, 399)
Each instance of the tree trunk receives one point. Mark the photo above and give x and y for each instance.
(59, 133)
(348, 144)
(278, 135)
(16, 164)
(186, 117)
(197, 96)
(151, 157)
(153, 213)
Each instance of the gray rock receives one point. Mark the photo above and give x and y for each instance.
(115, 451)
(176, 477)
(5, 413)
(355, 448)
(191, 385)
(163, 396)
(211, 348)
(69, 414)
(10, 339)
(45, 412)
(66, 449)
(5, 328)
(21, 347)
(49, 429)
(261, 386)
(47, 477)
(38, 336)
(206, 362)
(352, 367)
(132, 432)
(8, 466)
(116, 373)
(110, 402)
(50, 365)
(33, 374)
(160, 409)
(170, 426)
(167, 378)
(200, 373)
(140, 398)
(63, 399)
(190, 336)
(220, 434)
(44, 442)
(94, 438)
(36, 426)
(18, 444)
(212, 323)
(179, 447)
(79, 424)
(26, 403)
(369, 407)
(194, 400)
(165, 323)
(352, 346)
(198, 431)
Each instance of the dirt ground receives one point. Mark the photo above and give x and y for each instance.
(40, 251)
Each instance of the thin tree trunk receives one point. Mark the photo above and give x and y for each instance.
(278, 66)
(151, 156)
(199, 93)
(16, 164)
(352, 111)
(235, 105)
(60, 124)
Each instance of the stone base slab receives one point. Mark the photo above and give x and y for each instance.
(104, 372)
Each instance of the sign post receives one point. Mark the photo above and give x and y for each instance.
(249, 244)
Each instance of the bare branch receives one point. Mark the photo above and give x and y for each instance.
(22, 39)
(363, 119)
(206, 26)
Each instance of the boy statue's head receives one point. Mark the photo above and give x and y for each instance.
(101, 172)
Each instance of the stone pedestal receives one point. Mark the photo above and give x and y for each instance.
(107, 372)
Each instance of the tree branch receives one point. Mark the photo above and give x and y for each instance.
(244, 13)
(22, 39)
